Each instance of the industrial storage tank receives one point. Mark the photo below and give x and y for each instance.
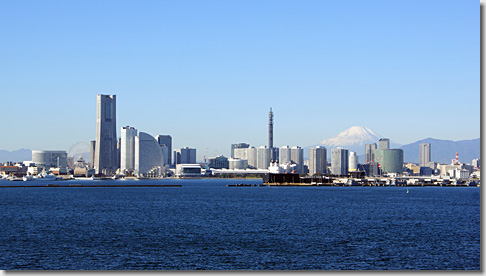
(390, 160)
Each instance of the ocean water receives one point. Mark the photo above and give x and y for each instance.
(205, 225)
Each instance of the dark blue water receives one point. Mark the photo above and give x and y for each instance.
(206, 225)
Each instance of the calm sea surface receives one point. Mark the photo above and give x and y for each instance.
(206, 225)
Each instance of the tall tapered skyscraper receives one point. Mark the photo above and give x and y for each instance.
(105, 159)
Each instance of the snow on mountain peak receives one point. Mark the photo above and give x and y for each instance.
(352, 137)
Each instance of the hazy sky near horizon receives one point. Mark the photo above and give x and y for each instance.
(207, 72)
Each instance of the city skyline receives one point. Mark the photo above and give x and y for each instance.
(207, 73)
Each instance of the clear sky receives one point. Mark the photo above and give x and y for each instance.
(207, 72)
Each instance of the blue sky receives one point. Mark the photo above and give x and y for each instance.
(207, 72)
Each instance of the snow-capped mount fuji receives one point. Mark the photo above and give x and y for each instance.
(355, 136)
(354, 139)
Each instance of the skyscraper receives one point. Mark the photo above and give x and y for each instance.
(185, 156)
(167, 141)
(370, 152)
(384, 143)
(252, 157)
(148, 154)
(424, 152)
(317, 160)
(284, 155)
(92, 150)
(297, 156)
(339, 161)
(263, 158)
(127, 149)
(106, 139)
(238, 146)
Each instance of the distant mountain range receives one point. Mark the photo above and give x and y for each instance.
(443, 151)
(16, 155)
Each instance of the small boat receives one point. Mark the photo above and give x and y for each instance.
(407, 191)
(45, 176)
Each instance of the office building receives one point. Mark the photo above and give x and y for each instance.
(424, 153)
(166, 154)
(92, 150)
(370, 153)
(219, 162)
(339, 161)
(127, 149)
(263, 158)
(297, 157)
(384, 143)
(476, 163)
(185, 156)
(148, 154)
(284, 155)
(47, 159)
(353, 161)
(238, 146)
(317, 160)
(252, 157)
(167, 141)
(240, 153)
(105, 152)
(389, 160)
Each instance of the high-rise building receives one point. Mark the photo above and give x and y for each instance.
(238, 146)
(424, 152)
(284, 155)
(339, 161)
(353, 161)
(127, 149)
(240, 153)
(148, 154)
(252, 157)
(92, 150)
(476, 163)
(263, 158)
(384, 143)
(106, 153)
(185, 156)
(317, 160)
(370, 152)
(297, 156)
(167, 141)
(166, 153)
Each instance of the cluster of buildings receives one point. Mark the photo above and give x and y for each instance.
(141, 155)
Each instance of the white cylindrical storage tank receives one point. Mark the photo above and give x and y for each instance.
(238, 164)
